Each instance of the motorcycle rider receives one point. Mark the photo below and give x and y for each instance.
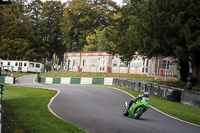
(146, 94)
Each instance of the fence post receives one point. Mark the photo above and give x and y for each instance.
(1, 92)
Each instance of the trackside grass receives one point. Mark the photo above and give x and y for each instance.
(25, 111)
(19, 74)
(178, 110)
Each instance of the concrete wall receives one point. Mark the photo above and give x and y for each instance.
(190, 98)
(164, 92)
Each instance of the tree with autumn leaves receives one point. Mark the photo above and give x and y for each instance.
(39, 29)
(82, 18)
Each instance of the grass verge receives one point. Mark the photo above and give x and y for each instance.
(175, 109)
(25, 111)
(19, 74)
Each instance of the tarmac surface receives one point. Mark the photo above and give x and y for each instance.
(99, 109)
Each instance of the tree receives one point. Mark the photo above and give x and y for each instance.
(96, 41)
(170, 28)
(16, 31)
(121, 34)
(83, 17)
(50, 19)
(160, 28)
(39, 48)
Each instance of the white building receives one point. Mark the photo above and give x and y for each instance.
(105, 62)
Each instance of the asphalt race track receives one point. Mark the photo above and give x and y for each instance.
(99, 109)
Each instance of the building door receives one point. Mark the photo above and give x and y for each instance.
(70, 63)
(102, 65)
(145, 66)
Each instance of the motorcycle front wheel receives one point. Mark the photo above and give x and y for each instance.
(138, 112)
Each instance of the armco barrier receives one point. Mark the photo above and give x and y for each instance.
(1, 92)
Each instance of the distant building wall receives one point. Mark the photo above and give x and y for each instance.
(104, 62)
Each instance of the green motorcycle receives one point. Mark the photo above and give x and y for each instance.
(137, 108)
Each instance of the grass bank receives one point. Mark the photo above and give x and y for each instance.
(178, 110)
(19, 74)
(25, 111)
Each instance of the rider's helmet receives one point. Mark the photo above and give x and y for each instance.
(146, 94)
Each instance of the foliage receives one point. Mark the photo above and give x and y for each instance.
(159, 28)
(119, 34)
(36, 30)
(47, 66)
(196, 88)
(39, 47)
(96, 41)
(16, 31)
(50, 20)
(31, 31)
(81, 18)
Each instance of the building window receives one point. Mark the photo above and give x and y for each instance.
(20, 64)
(145, 62)
(114, 64)
(16, 63)
(8, 63)
(25, 64)
(83, 62)
(165, 64)
(37, 65)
